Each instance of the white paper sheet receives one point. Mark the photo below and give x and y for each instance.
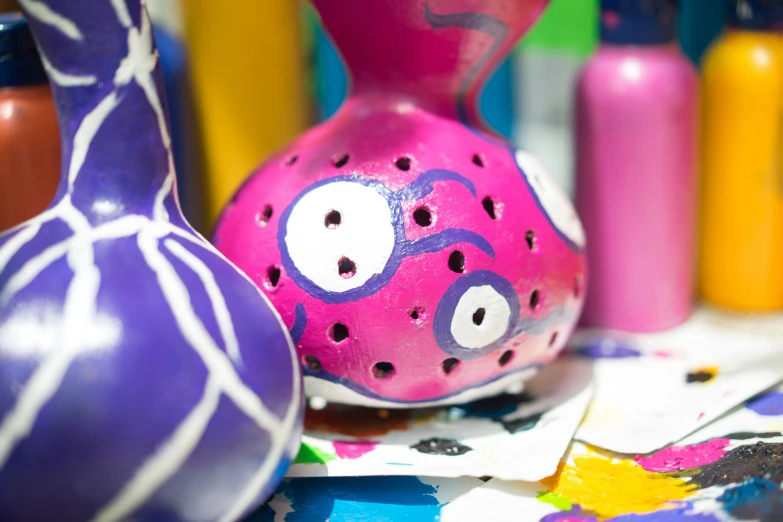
(502, 437)
(643, 398)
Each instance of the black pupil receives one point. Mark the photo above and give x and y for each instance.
(333, 219)
(346, 267)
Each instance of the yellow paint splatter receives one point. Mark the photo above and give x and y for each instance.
(611, 487)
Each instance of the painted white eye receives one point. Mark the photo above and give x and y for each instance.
(552, 198)
(480, 318)
(340, 234)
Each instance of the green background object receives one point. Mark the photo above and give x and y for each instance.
(566, 26)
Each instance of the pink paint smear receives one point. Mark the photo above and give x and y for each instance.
(676, 458)
(354, 449)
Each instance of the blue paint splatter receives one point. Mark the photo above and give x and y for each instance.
(357, 499)
(526, 423)
(770, 404)
(263, 514)
(573, 515)
(492, 407)
(756, 499)
(668, 515)
(497, 409)
(607, 348)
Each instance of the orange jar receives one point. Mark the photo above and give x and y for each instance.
(29, 135)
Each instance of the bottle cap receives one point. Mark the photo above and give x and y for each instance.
(756, 15)
(638, 22)
(20, 63)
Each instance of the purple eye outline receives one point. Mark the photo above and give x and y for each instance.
(417, 189)
(517, 325)
(447, 306)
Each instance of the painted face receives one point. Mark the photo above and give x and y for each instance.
(412, 283)
(343, 238)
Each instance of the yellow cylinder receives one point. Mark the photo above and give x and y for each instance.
(248, 72)
(742, 185)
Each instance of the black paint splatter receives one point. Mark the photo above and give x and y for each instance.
(448, 447)
(761, 460)
(699, 376)
(745, 435)
(521, 424)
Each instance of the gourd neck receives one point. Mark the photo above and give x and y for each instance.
(434, 54)
(106, 81)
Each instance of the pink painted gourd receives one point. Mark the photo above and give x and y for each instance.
(417, 259)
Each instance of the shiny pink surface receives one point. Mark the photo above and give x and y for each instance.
(393, 51)
(406, 99)
(637, 145)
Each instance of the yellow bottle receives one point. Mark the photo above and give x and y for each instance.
(250, 91)
(741, 262)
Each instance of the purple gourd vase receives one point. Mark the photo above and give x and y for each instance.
(142, 375)
(416, 259)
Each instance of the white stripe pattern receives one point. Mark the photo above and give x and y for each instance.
(80, 306)
(219, 306)
(44, 14)
(65, 79)
(166, 461)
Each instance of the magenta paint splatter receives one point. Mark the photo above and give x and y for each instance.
(353, 449)
(677, 458)
(770, 404)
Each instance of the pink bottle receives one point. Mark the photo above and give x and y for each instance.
(416, 259)
(637, 146)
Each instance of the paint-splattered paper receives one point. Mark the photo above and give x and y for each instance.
(354, 499)
(655, 389)
(729, 470)
(520, 436)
